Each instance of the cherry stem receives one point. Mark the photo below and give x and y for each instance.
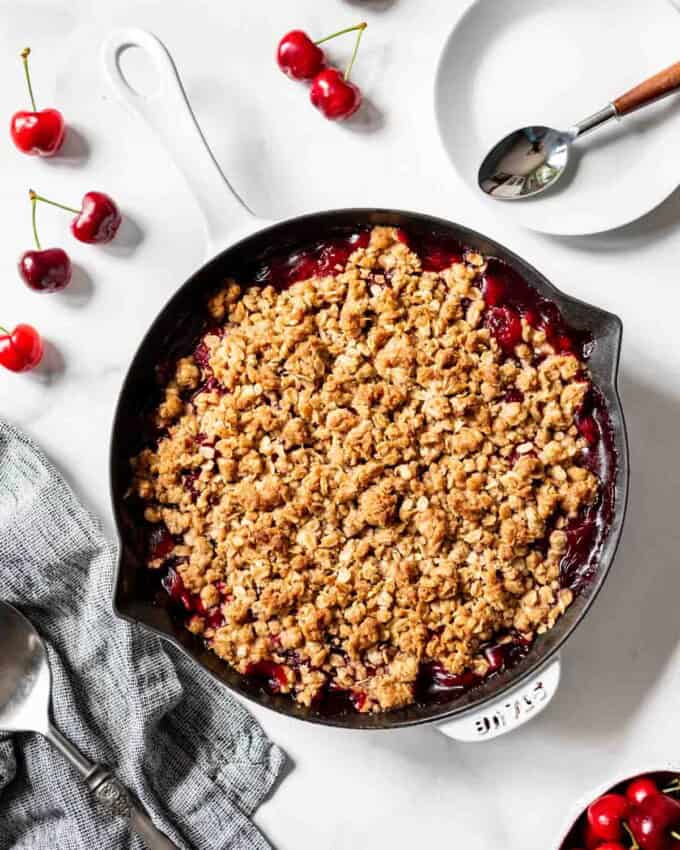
(4, 331)
(360, 32)
(673, 788)
(634, 845)
(675, 835)
(32, 195)
(25, 53)
(341, 32)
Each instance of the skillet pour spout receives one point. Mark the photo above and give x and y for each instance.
(174, 334)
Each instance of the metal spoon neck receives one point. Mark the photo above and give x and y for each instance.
(593, 121)
(82, 764)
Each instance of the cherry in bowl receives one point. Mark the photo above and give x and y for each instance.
(640, 813)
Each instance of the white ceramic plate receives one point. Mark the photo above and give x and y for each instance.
(510, 63)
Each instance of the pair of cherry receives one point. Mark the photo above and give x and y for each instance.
(41, 133)
(331, 93)
(642, 817)
(49, 269)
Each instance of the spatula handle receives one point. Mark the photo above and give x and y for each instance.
(660, 85)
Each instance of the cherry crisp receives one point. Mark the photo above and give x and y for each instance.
(370, 472)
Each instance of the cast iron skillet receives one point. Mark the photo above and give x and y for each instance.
(175, 332)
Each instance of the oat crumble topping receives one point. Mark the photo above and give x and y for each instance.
(358, 478)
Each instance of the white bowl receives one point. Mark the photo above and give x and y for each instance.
(621, 777)
(511, 63)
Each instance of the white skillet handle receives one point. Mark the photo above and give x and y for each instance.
(169, 114)
(510, 711)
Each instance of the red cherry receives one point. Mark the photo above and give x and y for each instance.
(39, 132)
(493, 290)
(438, 259)
(606, 816)
(161, 543)
(358, 699)
(505, 325)
(531, 317)
(174, 587)
(298, 57)
(45, 271)
(22, 349)
(98, 220)
(274, 673)
(655, 822)
(495, 655)
(588, 429)
(334, 96)
(216, 618)
(643, 786)
(612, 845)
(589, 838)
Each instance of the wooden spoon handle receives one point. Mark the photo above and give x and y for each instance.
(660, 85)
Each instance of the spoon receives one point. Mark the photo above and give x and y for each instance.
(528, 161)
(25, 695)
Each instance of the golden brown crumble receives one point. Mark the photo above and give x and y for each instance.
(363, 480)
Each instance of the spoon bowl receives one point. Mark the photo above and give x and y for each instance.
(525, 163)
(25, 686)
(25, 679)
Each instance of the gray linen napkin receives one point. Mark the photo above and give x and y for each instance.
(196, 759)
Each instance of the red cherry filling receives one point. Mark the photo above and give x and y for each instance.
(438, 259)
(324, 258)
(161, 542)
(215, 618)
(493, 290)
(495, 655)
(588, 429)
(436, 684)
(504, 287)
(174, 587)
(273, 674)
(513, 395)
(201, 355)
(505, 325)
(359, 699)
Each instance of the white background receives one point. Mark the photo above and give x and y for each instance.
(618, 701)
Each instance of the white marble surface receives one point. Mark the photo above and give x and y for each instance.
(618, 700)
